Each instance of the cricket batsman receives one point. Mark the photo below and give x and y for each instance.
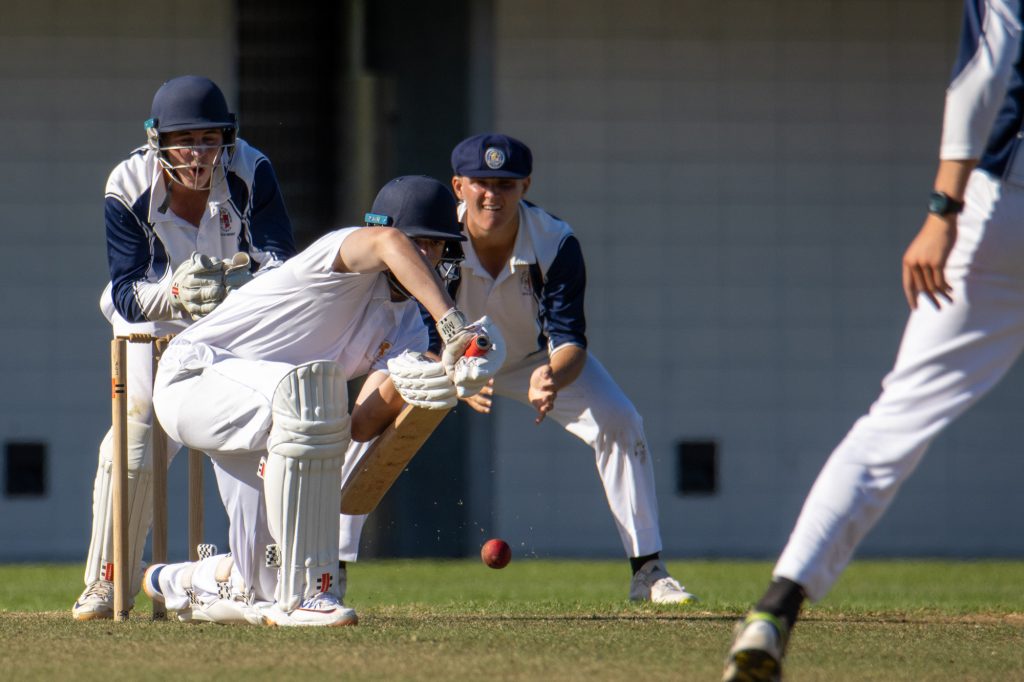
(259, 385)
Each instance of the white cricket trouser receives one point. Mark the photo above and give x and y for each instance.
(351, 527)
(222, 406)
(947, 361)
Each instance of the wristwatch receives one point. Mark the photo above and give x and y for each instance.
(942, 204)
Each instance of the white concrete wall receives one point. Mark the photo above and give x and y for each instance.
(744, 176)
(76, 82)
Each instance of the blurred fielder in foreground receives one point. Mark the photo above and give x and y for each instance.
(260, 386)
(190, 216)
(963, 276)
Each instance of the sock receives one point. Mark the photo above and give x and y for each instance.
(783, 599)
(637, 562)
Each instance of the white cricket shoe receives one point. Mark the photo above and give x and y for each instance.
(653, 583)
(233, 610)
(97, 602)
(757, 648)
(323, 610)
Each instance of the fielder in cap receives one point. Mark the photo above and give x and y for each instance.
(524, 270)
(190, 216)
(260, 386)
(963, 277)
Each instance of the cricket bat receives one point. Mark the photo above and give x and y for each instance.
(385, 460)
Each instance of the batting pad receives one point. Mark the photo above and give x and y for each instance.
(302, 479)
(100, 562)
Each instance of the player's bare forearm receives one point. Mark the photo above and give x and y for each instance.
(563, 368)
(566, 364)
(951, 177)
(376, 407)
(373, 249)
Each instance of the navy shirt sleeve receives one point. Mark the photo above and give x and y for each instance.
(271, 228)
(561, 298)
(128, 257)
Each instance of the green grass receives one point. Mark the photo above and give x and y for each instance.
(538, 619)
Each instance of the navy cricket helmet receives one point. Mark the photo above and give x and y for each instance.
(191, 103)
(421, 207)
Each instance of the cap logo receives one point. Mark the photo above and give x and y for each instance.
(494, 158)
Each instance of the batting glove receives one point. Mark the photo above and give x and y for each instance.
(471, 373)
(422, 382)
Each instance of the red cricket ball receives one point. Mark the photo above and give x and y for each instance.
(496, 553)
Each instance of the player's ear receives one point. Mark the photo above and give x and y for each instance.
(526, 184)
(457, 187)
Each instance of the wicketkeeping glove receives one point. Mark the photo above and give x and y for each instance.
(237, 271)
(197, 285)
(422, 382)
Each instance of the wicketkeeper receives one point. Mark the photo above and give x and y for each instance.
(190, 216)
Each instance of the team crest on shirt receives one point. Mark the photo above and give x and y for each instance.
(225, 220)
(494, 158)
(384, 347)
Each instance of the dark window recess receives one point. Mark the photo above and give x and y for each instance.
(697, 472)
(25, 469)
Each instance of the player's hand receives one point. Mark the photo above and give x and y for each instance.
(924, 262)
(197, 285)
(471, 373)
(237, 271)
(482, 401)
(422, 382)
(542, 391)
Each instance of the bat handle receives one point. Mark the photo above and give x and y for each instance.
(478, 347)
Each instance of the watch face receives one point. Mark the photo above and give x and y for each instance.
(941, 204)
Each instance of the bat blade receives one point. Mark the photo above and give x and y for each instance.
(387, 458)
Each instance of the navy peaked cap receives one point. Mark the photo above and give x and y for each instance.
(492, 155)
